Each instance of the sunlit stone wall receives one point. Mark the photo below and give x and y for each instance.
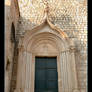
(69, 15)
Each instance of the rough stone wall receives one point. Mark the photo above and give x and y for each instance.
(69, 15)
(81, 58)
(10, 17)
(8, 47)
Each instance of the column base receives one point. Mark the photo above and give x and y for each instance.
(22, 90)
(18, 90)
(83, 90)
(76, 90)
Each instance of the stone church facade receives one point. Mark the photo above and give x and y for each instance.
(45, 28)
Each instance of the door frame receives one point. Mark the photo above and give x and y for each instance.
(58, 70)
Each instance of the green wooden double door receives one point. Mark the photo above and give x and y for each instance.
(46, 76)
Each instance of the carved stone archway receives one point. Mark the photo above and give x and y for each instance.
(46, 40)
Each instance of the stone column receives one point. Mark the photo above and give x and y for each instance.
(24, 72)
(68, 72)
(21, 70)
(73, 68)
(28, 72)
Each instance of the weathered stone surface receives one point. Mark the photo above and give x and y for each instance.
(69, 15)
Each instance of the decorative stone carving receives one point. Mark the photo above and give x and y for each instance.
(72, 49)
(65, 18)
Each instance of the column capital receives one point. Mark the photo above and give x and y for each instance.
(72, 48)
(20, 47)
(65, 51)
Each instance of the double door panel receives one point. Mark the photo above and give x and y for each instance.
(46, 76)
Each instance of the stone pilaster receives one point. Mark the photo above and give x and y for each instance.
(24, 71)
(68, 71)
(73, 68)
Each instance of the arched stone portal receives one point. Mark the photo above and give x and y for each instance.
(44, 41)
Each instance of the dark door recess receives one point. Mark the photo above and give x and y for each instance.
(46, 76)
